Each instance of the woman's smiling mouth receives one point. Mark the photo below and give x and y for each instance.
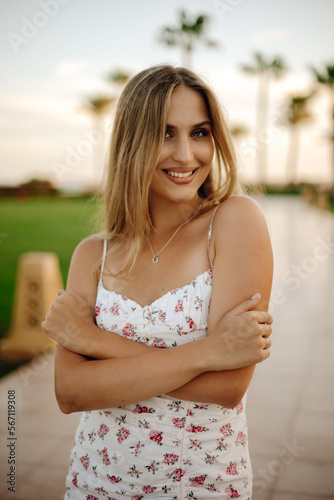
(180, 175)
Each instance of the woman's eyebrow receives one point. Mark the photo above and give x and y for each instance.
(206, 122)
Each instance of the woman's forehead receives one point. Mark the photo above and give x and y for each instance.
(186, 105)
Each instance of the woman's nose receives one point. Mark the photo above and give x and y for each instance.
(183, 152)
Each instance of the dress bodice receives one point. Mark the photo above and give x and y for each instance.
(177, 317)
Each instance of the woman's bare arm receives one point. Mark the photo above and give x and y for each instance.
(243, 266)
(224, 388)
(205, 388)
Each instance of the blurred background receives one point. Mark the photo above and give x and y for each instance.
(65, 62)
(61, 62)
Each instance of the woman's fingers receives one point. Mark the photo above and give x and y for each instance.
(256, 318)
(247, 305)
(262, 317)
(266, 342)
(266, 330)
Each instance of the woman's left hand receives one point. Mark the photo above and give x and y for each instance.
(70, 322)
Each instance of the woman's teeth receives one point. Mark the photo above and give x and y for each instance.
(179, 174)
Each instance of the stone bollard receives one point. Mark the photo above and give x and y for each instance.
(308, 193)
(38, 280)
(323, 199)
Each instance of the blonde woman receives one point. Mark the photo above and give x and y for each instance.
(180, 285)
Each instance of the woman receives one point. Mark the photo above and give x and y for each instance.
(165, 416)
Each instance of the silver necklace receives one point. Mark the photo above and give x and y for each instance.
(155, 258)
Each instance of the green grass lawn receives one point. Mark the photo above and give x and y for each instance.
(42, 225)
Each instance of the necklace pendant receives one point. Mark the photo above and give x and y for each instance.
(155, 259)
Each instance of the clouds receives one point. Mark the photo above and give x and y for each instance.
(45, 85)
(68, 69)
(263, 36)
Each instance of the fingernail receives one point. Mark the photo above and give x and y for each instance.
(255, 296)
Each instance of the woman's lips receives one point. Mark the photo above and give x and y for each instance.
(179, 177)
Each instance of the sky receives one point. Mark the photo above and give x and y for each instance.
(56, 53)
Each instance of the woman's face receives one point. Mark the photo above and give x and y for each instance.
(188, 149)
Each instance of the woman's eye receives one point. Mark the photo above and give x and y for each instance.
(200, 133)
(167, 134)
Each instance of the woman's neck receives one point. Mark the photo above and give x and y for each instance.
(168, 216)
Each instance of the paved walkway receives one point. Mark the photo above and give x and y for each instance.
(290, 404)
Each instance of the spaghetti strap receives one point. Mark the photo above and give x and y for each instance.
(209, 234)
(105, 244)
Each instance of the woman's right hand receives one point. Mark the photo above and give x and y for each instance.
(242, 337)
(71, 323)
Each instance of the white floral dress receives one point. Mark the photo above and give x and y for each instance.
(162, 447)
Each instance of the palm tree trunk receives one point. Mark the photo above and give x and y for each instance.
(293, 154)
(98, 153)
(261, 127)
(332, 139)
(187, 55)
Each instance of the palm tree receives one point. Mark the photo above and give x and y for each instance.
(238, 130)
(118, 76)
(98, 106)
(327, 80)
(266, 69)
(296, 113)
(186, 34)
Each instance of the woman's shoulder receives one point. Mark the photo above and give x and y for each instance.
(89, 251)
(240, 204)
(241, 209)
(239, 217)
(91, 244)
(85, 258)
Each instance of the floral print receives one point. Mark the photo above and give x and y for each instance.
(178, 313)
(160, 448)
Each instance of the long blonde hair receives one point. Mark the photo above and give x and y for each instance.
(136, 141)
